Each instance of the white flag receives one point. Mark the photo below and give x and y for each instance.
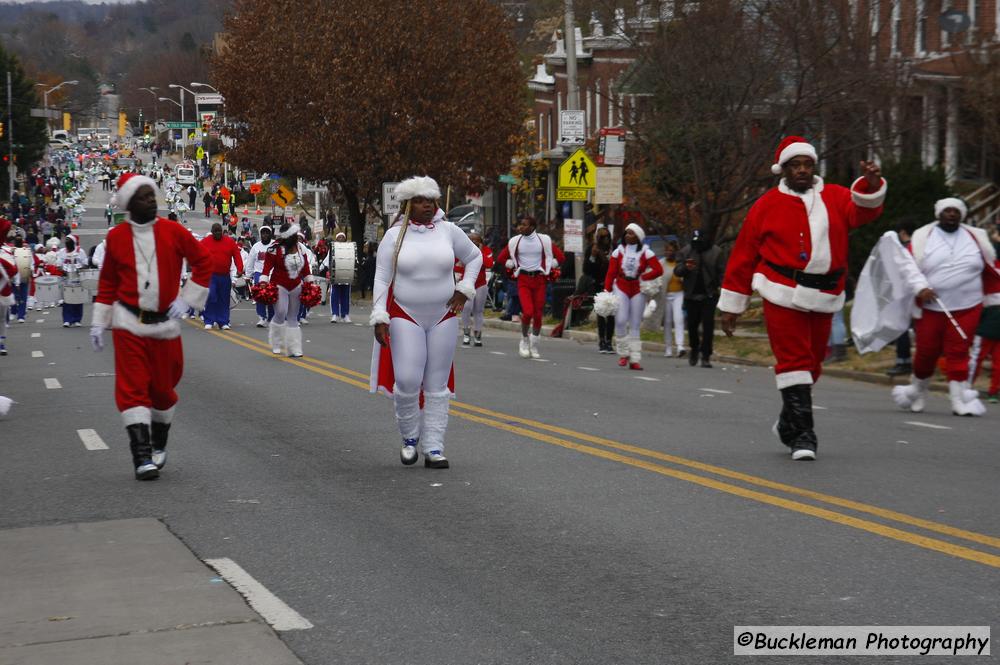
(884, 301)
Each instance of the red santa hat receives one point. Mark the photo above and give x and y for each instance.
(75, 238)
(791, 146)
(128, 185)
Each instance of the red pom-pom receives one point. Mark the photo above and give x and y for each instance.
(264, 293)
(555, 274)
(311, 295)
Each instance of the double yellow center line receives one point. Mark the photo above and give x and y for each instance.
(720, 478)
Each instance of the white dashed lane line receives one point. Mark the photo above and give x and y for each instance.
(589, 369)
(646, 378)
(498, 353)
(52, 384)
(37, 354)
(716, 391)
(917, 423)
(91, 439)
(36, 334)
(279, 615)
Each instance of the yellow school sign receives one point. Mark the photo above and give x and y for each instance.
(577, 172)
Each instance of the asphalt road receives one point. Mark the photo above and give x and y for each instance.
(591, 515)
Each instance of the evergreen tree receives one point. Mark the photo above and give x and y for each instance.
(29, 134)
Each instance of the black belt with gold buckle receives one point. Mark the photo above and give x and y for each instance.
(827, 282)
(146, 316)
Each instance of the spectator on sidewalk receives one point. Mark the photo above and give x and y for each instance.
(207, 200)
(595, 267)
(702, 266)
(673, 303)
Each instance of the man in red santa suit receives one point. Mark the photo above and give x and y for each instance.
(792, 249)
(955, 277)
(531, 256)
(138, 296)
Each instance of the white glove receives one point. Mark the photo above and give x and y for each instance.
(97, 338)
(510, 263)
(178, 308)
(264, 279)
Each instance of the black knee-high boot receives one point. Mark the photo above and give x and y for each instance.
(142, 451)
(159, 433)
(799, 417)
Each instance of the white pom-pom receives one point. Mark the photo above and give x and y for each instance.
(605, 304)
(5, 404)
(650, 309)
(776, 169)
(651, 288)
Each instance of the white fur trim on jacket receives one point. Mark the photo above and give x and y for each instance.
(422, 186)
(991, 300)
(468, 291)
(195, 294)
(733, 302)
(871, 200)
(801, 298)
(377, 317)
(126, 320)
(101, 315)
(789, 379)
(121, 197)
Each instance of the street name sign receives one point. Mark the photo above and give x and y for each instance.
(181, 125)
(208, 98)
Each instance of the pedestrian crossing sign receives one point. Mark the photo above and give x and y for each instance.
(577, 172)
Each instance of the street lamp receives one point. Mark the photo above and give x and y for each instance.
(204, 85)
(197, 113)
(156, 113)
(183, 132)
(45, 96)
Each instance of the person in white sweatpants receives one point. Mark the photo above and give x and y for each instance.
(673, 303)
(414, 307)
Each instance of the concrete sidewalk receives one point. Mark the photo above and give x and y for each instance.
(124, 592)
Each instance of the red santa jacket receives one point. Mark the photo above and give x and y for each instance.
(991, 266)
(7, 276)
(487, 263)
(552, 256)
(128, 276)
(278, 270)
(222, 253)
(629, 284)
(806, 233)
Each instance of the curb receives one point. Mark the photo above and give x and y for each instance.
(853, 375)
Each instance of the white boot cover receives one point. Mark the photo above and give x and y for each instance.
(276, 337)
(533, 345)
(913, 396)
(960, 406)
(293, 340)
(407, 413)
(622, 346)
(435, 424)
(635, 350)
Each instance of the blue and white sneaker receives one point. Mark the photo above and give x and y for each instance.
(435, 460)
(408, 453)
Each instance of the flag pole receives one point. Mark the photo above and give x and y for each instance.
(951, 318)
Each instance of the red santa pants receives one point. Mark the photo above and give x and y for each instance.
(798, 341)
(936, 336)
(146, 371)
(531, 291)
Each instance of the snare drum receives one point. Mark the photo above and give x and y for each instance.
(344, 262)
(48, 289)
(89, 279)
(74, 295)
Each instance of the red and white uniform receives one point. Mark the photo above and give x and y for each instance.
(805, 232)
(531, 258)
(8, 268)
(142, 271)
(285, 270)
(472, 314)
(628, 266)
(961, 267)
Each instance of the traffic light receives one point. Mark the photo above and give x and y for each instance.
(145, 129)
(2, 129)
(205, 126)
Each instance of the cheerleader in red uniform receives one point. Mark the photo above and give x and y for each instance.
(632, 263)
(286, 266)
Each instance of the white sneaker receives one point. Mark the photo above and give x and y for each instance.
(304, 321)
(668, 352)
(20, 320)
(65, 325)
(524, 350)
(346, 319)
(227, 327)
(75, 325)
(408, 452)
(208, 326)
(261, 322)
(335, 319)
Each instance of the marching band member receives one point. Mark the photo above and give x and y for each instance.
(8, 267)
(70, 260)
(340, 293)
(255, 266)
(303, 313)
(139, 295)
(472, 313)
(531, 256)
(631, 263)
(287, 268)
(414, 307)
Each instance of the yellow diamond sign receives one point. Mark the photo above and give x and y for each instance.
(577, 172)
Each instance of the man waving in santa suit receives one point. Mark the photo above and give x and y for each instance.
(792, 249)
(138, 296)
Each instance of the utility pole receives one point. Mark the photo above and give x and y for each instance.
(573, 104)
(10, 139)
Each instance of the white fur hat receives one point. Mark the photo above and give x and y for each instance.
(423, 186)
(637, 230)
(128, 185)
(288, 233)
(944, 204)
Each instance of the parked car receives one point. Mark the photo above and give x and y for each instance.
(60, 144)
(467, 217)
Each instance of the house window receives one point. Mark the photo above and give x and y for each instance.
(897, 27)
(921, 31)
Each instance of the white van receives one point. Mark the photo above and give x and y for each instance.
(186, 174)
(61, 135)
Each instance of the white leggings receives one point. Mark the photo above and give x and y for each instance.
(673, 315)
(474, 309)
(629, 315)
(422, 354)
(288, 301)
